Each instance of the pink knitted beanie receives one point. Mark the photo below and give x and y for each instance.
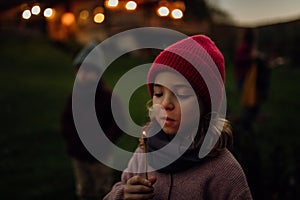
(189, 57)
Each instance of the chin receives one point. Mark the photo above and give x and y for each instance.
(170, 131)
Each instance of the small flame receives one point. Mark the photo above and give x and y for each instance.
(145, 133)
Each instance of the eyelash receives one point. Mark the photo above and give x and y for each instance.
(183, 96)
(179, 96)
(158, 94)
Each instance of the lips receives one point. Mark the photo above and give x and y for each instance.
(167, 120)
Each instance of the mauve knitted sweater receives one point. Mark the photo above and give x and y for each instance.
(218, 178)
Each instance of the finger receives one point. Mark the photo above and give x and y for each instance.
(152, 179)
(138, 180)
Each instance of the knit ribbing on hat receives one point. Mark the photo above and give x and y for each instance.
(201, 50)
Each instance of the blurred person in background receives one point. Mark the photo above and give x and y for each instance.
(93, 179)
(252, 75)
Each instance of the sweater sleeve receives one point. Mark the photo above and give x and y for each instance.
(134, 168)
(116, 192)
(229, 181)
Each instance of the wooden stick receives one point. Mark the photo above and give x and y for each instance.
(146, 152)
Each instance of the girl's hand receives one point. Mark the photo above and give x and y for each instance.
(139, 188)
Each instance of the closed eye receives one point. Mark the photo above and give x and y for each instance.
(183, 96)
(157, 94)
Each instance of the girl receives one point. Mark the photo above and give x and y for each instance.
(178, 90)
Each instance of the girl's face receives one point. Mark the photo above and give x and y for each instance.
(171, 91)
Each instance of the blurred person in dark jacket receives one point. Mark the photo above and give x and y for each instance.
(93, 179)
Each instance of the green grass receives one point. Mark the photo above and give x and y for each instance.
(35, 78)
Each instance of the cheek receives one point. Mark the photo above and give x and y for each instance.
(190, 113)
(154, 101)
(158, 110)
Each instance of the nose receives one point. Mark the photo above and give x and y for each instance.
(168, 102)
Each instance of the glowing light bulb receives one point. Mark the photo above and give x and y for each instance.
(35, 10)
(26, 14)
(84, 14)
(131, 5)
(99, 18)
(48, 12)
(68, 19)
(177, 14)
(112, 3)
(163, 11)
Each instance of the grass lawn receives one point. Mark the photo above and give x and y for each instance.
(35, 78)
